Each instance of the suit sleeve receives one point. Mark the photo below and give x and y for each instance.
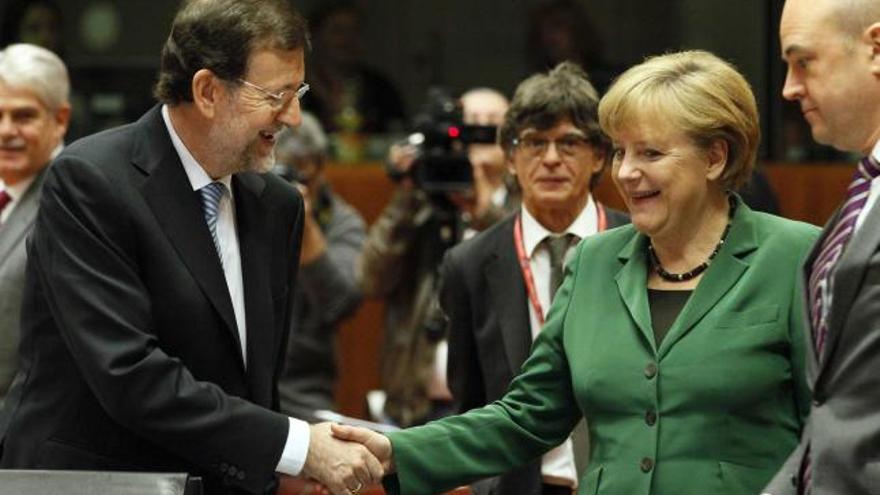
(537, 413)
(88, 252)
(463, 369)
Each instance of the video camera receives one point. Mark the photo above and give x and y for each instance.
(440, 139)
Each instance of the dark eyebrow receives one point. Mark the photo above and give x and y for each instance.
(792, 49)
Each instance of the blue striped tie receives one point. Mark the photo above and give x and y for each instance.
(211, 196)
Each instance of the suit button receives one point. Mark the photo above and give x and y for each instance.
(817, 402)
(240, 475)
(224, 467)
(647, 465)
(650, 370)
(232, 471)
(650, 418)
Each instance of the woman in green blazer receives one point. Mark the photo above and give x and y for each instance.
(679, 337)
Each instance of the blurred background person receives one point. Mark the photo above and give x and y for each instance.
(37, 22)
(404, 250)
(348, 96)
(496, 286)
(680, 338)
(561, 31)
(34, 112)
(327, 290)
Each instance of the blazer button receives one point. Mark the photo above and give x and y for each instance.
(650, 418)
(647, 465)
(240, 475)
(232, 471)
(224, 467)
(650, 370)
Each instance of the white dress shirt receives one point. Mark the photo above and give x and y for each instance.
(558, 464)
(295, 450)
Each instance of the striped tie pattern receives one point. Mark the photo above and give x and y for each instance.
(832, 247)
(211, 196)
(819, 285)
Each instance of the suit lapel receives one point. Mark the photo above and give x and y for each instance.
(725, 270)
(254, 241)
(178, 210)
(508, 295)
(22, 217)
(632, 281)
(848, 278)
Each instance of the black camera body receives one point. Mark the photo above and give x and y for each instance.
(441, 139)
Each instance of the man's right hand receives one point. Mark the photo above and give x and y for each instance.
(343, 467)
(379, 445)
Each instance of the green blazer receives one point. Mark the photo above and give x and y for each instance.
(716, 408)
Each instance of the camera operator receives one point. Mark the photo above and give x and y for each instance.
(327, 292)
(430, 211)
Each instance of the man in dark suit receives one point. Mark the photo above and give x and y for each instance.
(833, 53)
(498, 286)
(34, 112)
(160, 276)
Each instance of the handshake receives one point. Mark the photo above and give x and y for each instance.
(344, 459)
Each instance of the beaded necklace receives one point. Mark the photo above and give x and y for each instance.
(683, 277)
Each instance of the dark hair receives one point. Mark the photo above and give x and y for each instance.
(220, 35)
(544, 99)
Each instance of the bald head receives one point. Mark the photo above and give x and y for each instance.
(852, 16)
(484, 106)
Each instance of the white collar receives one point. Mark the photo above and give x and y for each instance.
(585, 225)
(876, 151)
(198, 178)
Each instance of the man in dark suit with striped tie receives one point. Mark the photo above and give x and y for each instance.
(833, 53)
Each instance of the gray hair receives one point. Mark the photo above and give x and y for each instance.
(37, 69)
(308, 139)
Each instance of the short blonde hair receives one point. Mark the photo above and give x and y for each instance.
(695, 92)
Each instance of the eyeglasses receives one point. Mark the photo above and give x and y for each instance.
(567, 146)
(278, 100)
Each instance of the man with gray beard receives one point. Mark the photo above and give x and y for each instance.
(161, 272)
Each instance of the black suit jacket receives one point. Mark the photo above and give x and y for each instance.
(484, 297)
(130, 352)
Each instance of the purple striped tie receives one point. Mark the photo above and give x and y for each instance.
(832, 247)
(823, 267)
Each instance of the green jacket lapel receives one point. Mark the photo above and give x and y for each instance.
(632, 285)
(726, 269)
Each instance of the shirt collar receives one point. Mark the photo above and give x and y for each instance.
(198, 178)
(585, 225)
(876, 151)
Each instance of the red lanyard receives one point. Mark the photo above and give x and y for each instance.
(526, 266)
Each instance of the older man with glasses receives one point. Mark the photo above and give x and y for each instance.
(498, 286)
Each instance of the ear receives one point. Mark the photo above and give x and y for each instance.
(716, 155)
(508, 160)
(872, 37)
(62, 120)
(206, 90)
(599, 162)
